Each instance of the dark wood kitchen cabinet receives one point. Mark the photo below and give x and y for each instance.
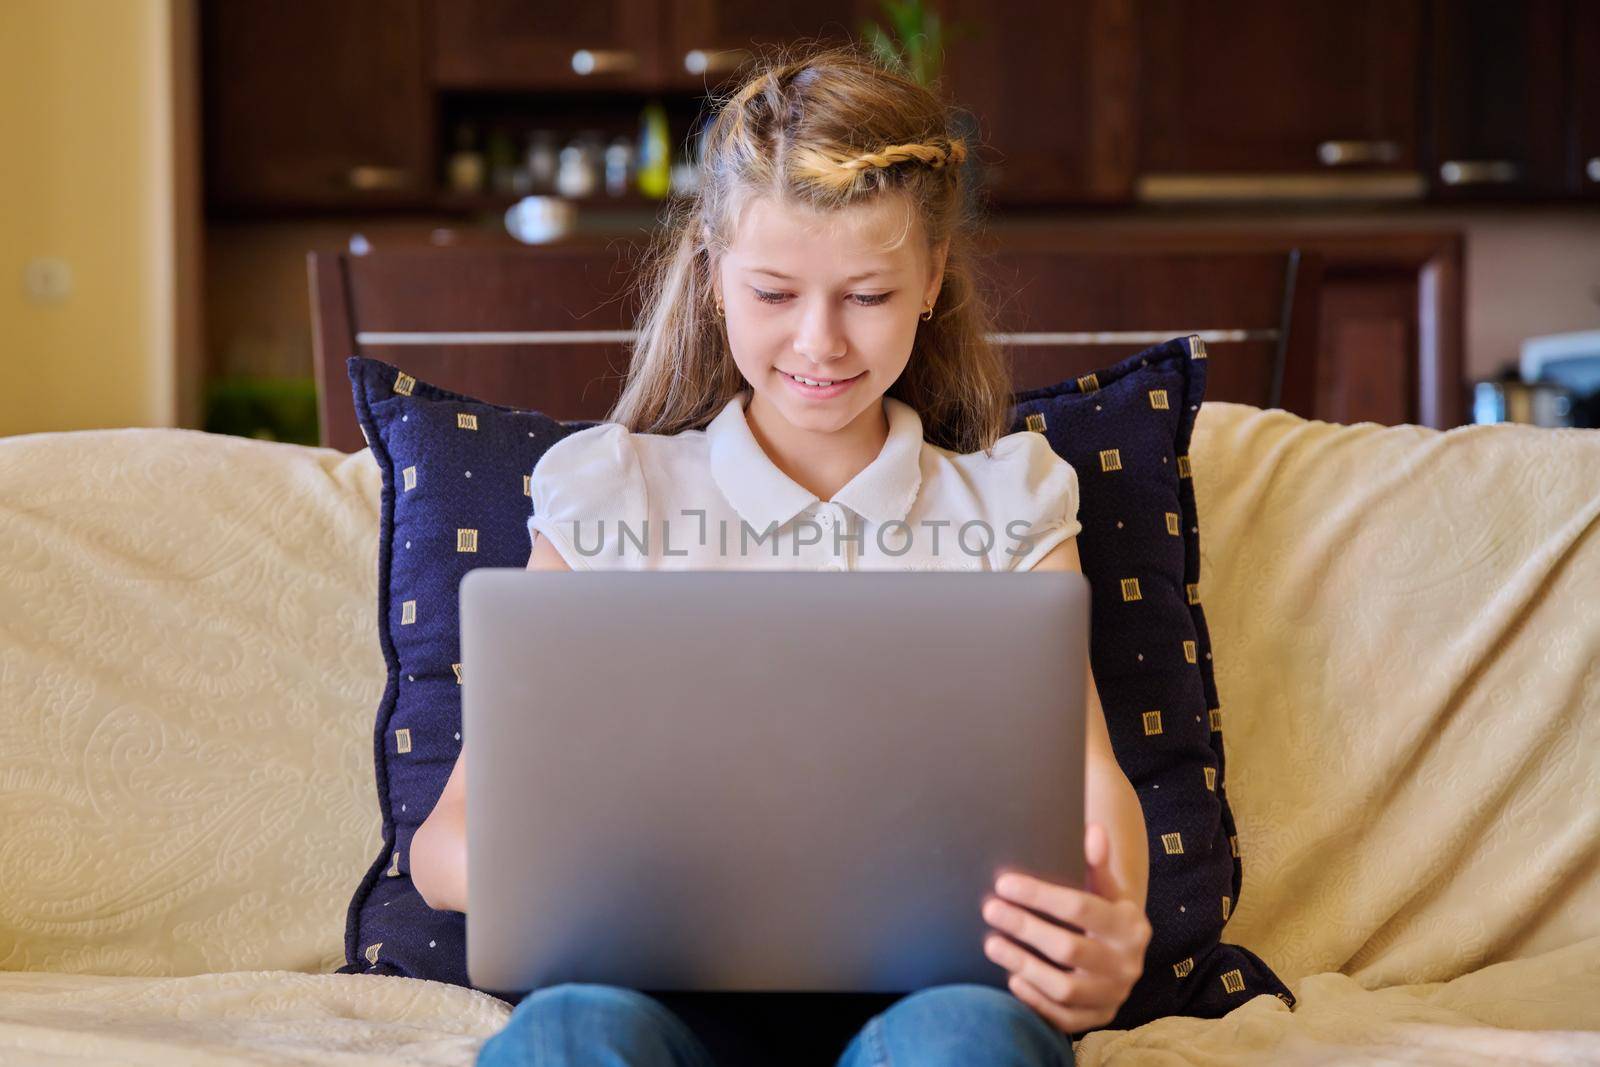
(1583, 58)
(340, 104)
(1498, 98)
(707, 40)
(643, 45)
(1273, 88)
(1053, 88)
(547, 44)
(315, 104)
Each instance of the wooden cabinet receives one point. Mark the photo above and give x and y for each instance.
(312, 104)
(1267, 87)
(337, 104)
(707, 40)
(547, 44)
(1583, 58)
(1390, 329)
(645, 45)
(1498, 102)
(1472, 100)
(1053, 89)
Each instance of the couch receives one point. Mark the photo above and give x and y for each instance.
(1406, 626)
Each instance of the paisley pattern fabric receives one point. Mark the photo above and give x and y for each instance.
(1408, 639)
(188, 668)
(1531, 1012)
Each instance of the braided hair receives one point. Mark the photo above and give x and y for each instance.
(842, 172)
(824, 129)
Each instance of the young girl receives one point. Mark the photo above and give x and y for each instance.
(813, 389)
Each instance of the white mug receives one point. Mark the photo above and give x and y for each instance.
(538, 219)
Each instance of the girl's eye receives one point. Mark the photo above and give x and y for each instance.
(864, 299)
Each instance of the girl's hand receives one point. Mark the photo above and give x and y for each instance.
(1095, 948)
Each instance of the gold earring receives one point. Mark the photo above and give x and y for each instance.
(927, 313)
(721, 311)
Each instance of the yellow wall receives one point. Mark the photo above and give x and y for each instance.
(87, 176)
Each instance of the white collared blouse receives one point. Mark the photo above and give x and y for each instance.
(712, 499)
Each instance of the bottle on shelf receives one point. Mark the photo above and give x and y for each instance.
(502, 163)
(594, 157)
(619, 166)
(521, 179)
(542, 159)
(655, 162)
(576, 176)
(466, 168)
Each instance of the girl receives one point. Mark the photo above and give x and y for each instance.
(813, 376)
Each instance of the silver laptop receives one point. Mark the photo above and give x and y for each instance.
(771, 780)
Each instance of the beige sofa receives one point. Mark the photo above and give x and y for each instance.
(1407, 636)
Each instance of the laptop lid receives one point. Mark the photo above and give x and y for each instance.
(774, 780)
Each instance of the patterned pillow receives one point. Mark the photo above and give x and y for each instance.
(1126, 431)
(455, 497)
(1151, 653)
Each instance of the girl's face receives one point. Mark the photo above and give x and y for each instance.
(810, 296)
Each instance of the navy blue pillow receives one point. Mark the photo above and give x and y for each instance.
(1133, 419)
(1126, 431)
(455, 497)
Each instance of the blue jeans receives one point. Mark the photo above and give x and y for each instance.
(609, 1026)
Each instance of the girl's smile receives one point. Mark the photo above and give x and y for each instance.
(821, 389)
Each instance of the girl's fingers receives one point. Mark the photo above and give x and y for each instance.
(1083, 910)
(1067, 1020)
(1055, 943)
(1080, 989)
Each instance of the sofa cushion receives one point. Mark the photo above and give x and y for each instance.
(1408, 641)
(1126, 431)
(187, 676)
(1533, 1012)
(455, 473)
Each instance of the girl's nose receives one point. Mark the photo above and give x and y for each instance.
(820, 339)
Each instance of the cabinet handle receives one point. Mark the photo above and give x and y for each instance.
(1594, 169)
(587, 61)
(375, 179)
(1479, 172)
(704, 61)
(1345, 153)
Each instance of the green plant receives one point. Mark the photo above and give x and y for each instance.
(915, 39)
(272, 409)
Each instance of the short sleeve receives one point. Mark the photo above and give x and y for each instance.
(1034, 501)
(583, 487)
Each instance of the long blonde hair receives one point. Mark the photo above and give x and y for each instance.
(826, 129)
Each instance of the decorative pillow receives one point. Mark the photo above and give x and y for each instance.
(1126, 431)
(455, 497)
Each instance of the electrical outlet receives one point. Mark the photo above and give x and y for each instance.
(47, 280)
